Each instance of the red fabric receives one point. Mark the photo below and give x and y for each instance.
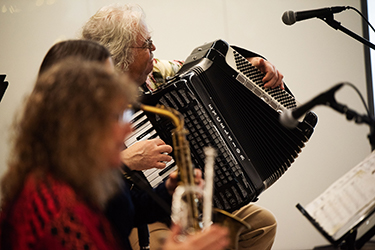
(49, 215)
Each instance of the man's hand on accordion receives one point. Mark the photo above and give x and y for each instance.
(147, 154)
(273, 78)
(173, 181)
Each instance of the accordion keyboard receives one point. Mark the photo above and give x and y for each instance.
(144, 130)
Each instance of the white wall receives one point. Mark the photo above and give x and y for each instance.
(311, 55)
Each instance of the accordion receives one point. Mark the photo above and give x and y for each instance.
(225, 106)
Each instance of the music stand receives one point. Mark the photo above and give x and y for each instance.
(346, 206)
(3, 86)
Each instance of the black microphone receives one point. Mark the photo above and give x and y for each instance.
(143, 237)
(289, 118)
(3, 86)
(290, 17)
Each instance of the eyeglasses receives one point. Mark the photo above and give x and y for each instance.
(124, 117)
(148, 44)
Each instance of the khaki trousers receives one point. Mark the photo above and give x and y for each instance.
(260, 237)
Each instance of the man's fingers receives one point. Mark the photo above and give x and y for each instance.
(159, 141)
(165, 149)
(160, 165)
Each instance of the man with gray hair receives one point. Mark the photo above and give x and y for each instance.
(123, 30)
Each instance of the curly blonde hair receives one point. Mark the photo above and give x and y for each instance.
(117, 28)
(62, 127)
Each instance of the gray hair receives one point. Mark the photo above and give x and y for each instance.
(117, 28)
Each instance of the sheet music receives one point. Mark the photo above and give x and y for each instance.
(346, 201)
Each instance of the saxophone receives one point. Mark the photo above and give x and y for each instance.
(187, 205)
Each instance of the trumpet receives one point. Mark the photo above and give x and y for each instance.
(192, 207)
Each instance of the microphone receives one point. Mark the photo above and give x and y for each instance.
(143, 237)
(289, 118)
(290, 17)
(3, 86)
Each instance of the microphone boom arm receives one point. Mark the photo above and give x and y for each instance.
(289, 118)
(358, 119)
(328, 99)
(337, 26)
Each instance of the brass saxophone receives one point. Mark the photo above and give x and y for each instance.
(187, 190)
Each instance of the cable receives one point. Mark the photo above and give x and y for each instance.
(360, 96)
(364, 18)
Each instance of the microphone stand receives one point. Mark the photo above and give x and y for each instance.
(352, 115)
(350, 242)
(337, 26)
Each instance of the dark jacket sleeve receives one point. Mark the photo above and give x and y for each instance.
(133, 207)
(149, 210)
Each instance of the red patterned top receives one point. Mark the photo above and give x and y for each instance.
(50, 215)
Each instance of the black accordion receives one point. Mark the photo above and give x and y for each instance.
(225, 106)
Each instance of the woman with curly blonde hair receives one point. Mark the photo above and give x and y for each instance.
(65, 163)
(65, 158)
